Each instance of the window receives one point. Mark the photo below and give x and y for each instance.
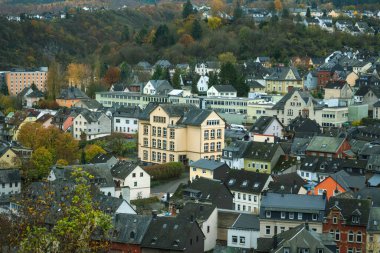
(267, 230)
(145, 142)
(359, 237)
(164, 144)
(154, 131)
(282, 229)
(172, 145)
(350, 250)
(117, 120)
(268, 214)
(158, 143)
(314, 216)
(234, 239)
(159, 157)
(141, 174)
(153, 155)
(205, 147)
(159, 119)
(300, 216)
(212, 146)
(350, 236)
(358, 250)
(159, 131)
(335, 220)
(249, 198)
(286, 250)
(242, 240)
(219, 133)
(171, 158)
(145, 155)
(219, 146)
(164, 132)
(134, 183)
(254, 198)
(238, 195)
(172, 134)
(194, 169)
(204, 171)
(208, 229)
(133, 174)
(212, 134)
(291, 216)
(303, 250)
(164, 157)
(282, 215)
(205, 134)
(146, 130)
(154, 143)
(355, 219)
(337, 235)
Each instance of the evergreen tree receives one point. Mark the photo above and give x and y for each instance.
(238, 12)
(157, 73)
(194, 88)
(228, 74)
(162, 37)
(308, 13)
(213, 79)
(187, 9)
(196, 30)
(177, 79)
(166, 75)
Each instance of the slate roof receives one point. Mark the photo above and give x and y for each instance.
(207, 164)
(127, 112)
(109, 204)
(306, 96)
(90, 103)
(35, 93)
(122, 169)
(224, 88)
(130, 228)
(91, 116)
(177, 110)
(347, 181)
(144, 65)
(195, 117)
(281, 73)
(335, 85)
(370, 149)
(72, 93)
(295, 202)
(101, 158)
(199, 211)
(299, 145)
(44, 118)
(303, 125)
(350, 207)
(162, 87)
(209, 189)
(261, 151)
(168, 233)
(226, 218)
(286, 183)
(9, 176)
(255, 85)
(246, 181)
(369, 193)
(262, 124)
(163, 64)
(325, 144)
(144, 114)
(374, 220)
(238, 148)
(247, 221)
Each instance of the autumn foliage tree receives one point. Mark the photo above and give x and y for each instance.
(78, 74)
(41, 161)
(278, 5)
(112, 76)
(92, 150)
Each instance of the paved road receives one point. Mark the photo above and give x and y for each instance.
(170, 186)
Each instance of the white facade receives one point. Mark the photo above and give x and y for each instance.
(149, 89)
(212, 92)
(210, 230)
(203, 69)
(275, 129)
(10, 188)
(239, 238)
(125, 208)
(125, 125)
(138, 182)
(202, 84)
(248, 202)
(233, 162)
(93, 130)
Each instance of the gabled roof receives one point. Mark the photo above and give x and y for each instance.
(199, 211)
(246, 181)
(207, 164)
(261, 151)
(299, 145)
(247, 221)
(101, 158)
(130, 228)
(9, 176)
(89, 103)
(123, 168)
(224, 88)
(374, 220)
(371, 193)
(168, 233)
(262, 124)
(238, 148)
(127, 112)
(303, 125)
(195, 117)
(209, 189)
(306, 96)
(349, 207)
(255, 85)
(177, 110)
(281, 73)
(347, 181)
(335, 85)
(91, 116)
(72, 93)
(144, 114)
(286, 183)
(325, 144)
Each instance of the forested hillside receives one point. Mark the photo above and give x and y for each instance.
(151, 33)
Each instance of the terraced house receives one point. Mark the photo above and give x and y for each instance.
(179, 132)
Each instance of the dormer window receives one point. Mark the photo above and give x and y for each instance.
(286, 250)
(268, 214)
(245, 183)
(132, 235)
(355, 219)
(303, 250)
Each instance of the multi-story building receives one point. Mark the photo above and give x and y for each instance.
(206, 68)
(10, 180)
(373, 230)
(70, 96)
(93, 124)
(327, 146)
(125, 120)
(181, 132)
(283, 79)
(282, 212)
(17, 80)
(208, 168)
(347, 219)
(247, 188)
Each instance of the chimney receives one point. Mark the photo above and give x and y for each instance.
(324, 194)
(275, 239)
(168, 197)
(154, 214)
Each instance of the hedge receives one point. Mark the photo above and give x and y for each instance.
(165, 171)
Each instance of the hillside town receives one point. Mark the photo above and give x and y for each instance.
(293, 166)
(170, 126)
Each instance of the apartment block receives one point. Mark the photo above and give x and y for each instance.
(17, 80)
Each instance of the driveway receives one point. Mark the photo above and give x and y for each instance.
(170, 186)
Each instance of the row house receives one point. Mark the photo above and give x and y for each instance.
(125, 120)
(280, 212)
(346, 220)
(247, 188)
(179, 132)
(91, 124)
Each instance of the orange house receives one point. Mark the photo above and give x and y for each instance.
(329, 185)
(70, 96)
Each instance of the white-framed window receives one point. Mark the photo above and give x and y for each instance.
(242, 239)
(300, 216)
(234, 239)
(335, 220)
(314, 216)
(268, 214)
(267, 230)
(359, 237)
(350, 236)
(337, 235)
(291, 216)
(283, 214)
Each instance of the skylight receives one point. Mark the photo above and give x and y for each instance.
(245, 183)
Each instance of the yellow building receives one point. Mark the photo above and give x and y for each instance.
(207, 168)
(8, 158)
(283, 79)
(179, 132)
(30, 117)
